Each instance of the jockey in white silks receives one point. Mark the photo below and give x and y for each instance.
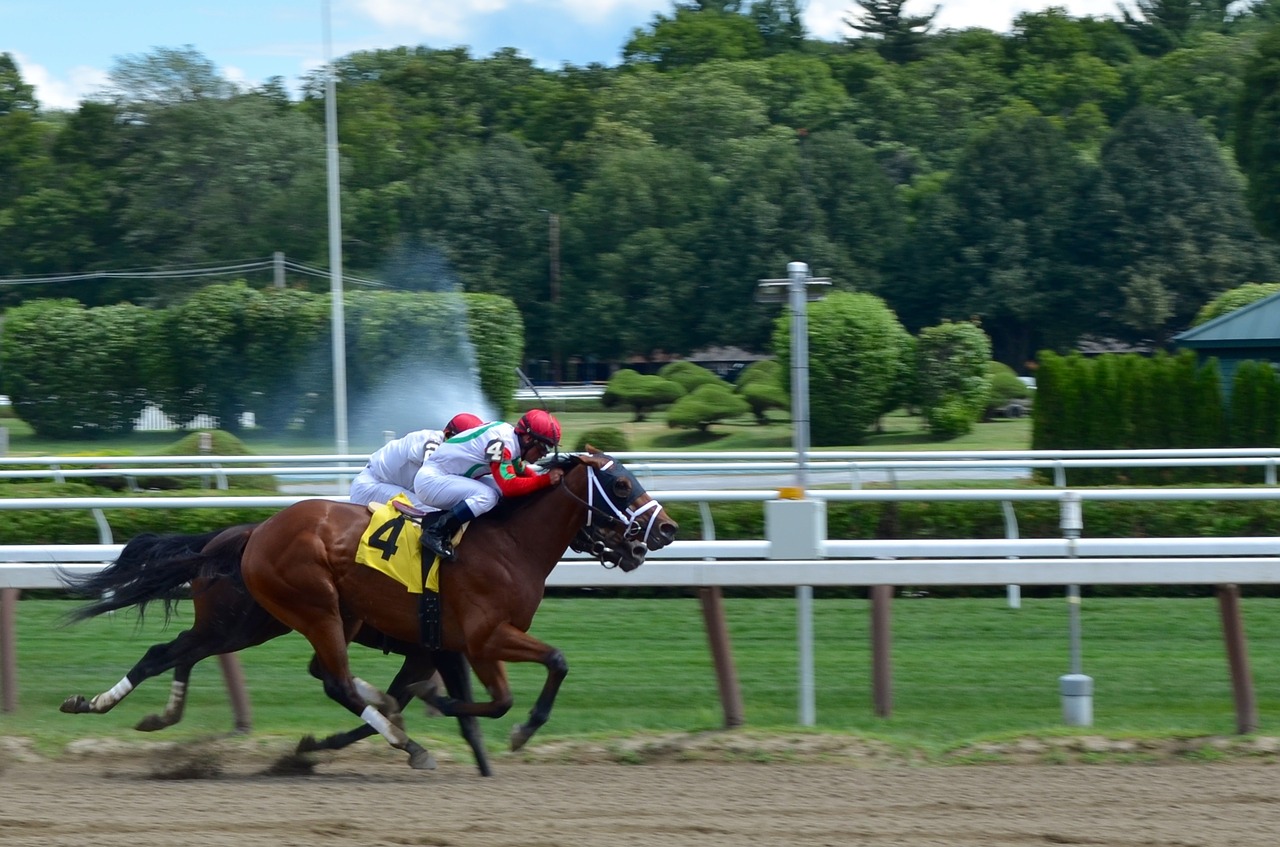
(469, 473)
(391, 470)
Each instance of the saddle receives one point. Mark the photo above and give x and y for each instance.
(391, 545)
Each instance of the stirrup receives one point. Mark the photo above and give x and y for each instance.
(438, 545)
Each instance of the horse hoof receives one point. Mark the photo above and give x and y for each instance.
(74, 705)
(151, 723)
(422, 760)
(520, 735)
(307, 744)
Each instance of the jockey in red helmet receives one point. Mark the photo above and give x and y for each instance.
(390, 471)
(468, 474)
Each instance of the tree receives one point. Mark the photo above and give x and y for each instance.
(1257, 143)
(21, 156)
(1163, 25)
(995, 242)
(853, 360)
(74, 372)
(1175, 230)
(689, 375)
(705, 405)
(779, 24)
(899, 38)
(642, 393)
(760, 384)
(16, 95)
(485, 210)
(694, 36)
(1237, 298)
(166, 77)
(952, 360)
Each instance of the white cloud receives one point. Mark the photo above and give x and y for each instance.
(52, 93)
(825, 19)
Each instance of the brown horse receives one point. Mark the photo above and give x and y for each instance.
(300, 566)
(153, 568)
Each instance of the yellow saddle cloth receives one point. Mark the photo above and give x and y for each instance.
(393, 545)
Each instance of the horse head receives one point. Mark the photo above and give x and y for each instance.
(623, 522)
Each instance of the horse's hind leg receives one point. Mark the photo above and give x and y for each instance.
(188, 648)
(414, 668)
(325, 630)
(456, 674)
(176, 704)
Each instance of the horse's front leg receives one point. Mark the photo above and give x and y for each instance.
(557, 669)
(418, 666)
(509, 644)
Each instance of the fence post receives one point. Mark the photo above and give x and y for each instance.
(8, 649)
(712, 601)
(1238, 659)
(796, 528)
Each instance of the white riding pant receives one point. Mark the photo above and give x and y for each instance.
(366, 488)
(444, 491)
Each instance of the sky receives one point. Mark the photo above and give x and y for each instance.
(65, 48)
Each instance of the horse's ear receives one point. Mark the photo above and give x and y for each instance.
(595, 451)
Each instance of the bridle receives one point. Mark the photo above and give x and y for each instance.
(613, 513)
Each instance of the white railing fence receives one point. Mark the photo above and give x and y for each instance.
(851, 467)
(798, 553)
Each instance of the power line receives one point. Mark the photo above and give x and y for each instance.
(192, 271)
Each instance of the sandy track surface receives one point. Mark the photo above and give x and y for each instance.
(179, 799)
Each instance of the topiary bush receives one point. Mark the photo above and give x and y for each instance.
(704, 406)
(640, 392)
(610, 439)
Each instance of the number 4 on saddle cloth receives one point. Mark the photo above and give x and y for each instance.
(392, 545)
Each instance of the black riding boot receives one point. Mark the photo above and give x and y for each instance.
(437, 534)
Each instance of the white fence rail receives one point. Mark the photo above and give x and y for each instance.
(847, 562)
(842, 466)
(1012, 561)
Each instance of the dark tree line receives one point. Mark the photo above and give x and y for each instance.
(1075, 177)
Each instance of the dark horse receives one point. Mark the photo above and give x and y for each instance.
(300, 566)
(227, 619)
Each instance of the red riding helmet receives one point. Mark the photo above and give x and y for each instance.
(540, 426)
(461, 423)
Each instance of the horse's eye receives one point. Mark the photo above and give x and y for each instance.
(621, 487)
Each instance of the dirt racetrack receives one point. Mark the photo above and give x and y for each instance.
(177, 799)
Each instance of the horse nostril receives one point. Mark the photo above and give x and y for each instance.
(668, 530)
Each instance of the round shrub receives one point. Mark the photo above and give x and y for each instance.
(610, 439)
(951, 418)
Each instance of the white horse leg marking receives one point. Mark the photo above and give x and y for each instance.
(177, 699)
(104, 701)
(369, 694)
(395, 736)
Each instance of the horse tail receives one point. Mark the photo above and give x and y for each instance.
(158, 568)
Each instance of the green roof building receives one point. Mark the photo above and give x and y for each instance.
(1250, 332)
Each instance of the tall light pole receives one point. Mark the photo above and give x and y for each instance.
(337, 311)
(796, 291)
(794, 524)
